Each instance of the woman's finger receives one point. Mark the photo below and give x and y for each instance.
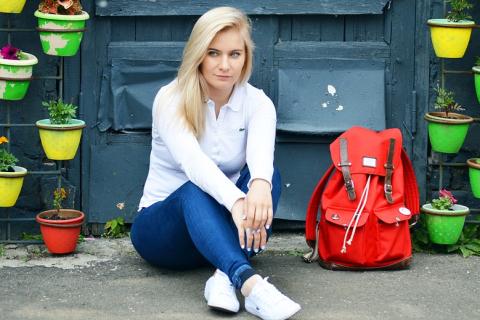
(268, 224)
(250, 214)
(263, 241)
(257, 221)
(256, 240)
(241, 236)
(249, 233)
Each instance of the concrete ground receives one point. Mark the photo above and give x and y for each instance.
(106, 279)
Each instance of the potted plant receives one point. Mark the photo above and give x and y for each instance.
(60, 227)
(476, 77)
(12, 6)
(447, 130)
(61, 24)
(445, 218)
(450, 36)
(15, 72)
(474, 175)
(11, 176)
(60, 134)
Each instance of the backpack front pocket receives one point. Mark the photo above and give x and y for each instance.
(342, 237)
(393, 234)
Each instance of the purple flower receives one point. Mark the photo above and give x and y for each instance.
(447, 194)
(10, 52)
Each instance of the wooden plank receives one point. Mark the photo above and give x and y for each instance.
(153, 29)
(149, 50)
(285, 28)
(331, 49)
(123, 29)
(332, 28)
(265, 7)
(306, 28)
(94, 59)
(364, 28)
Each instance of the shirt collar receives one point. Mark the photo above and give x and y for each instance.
(236, 98)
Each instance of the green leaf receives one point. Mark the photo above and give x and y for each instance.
(466, 252)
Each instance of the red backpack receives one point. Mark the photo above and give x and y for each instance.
(366, 206)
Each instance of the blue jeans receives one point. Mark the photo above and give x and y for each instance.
(190, 229)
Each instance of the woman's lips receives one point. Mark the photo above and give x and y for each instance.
(224, 78)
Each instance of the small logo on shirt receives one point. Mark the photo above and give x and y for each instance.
(241, 129)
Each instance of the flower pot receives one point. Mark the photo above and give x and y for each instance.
(450, 39)
(445, 226)
(60, 141)
(12, 6)
(60, 236)
(15, 76)
(11, 185)
(474, 175)
(61, 35)
(447, 134)
(476, 78)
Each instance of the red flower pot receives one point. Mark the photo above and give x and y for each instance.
(60, 236)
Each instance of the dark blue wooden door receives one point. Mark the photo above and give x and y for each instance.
(326, 64)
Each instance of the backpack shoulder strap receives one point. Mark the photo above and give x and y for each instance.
(312, 210)
(412, 199)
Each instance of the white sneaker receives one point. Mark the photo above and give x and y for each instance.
(220, 293)
(267, 303)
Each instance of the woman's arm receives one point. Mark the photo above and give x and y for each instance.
(260, 148)
(196, 165)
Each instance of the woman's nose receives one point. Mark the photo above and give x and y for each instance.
(224, 63)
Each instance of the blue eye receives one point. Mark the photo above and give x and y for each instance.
(236, 54)
(212, 53)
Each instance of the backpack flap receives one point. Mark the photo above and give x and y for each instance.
(367, 150)
(393, 214)
(342, 217)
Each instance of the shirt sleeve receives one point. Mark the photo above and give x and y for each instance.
(261, 140)
(197, 166)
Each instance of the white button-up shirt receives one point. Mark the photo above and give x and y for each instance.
(244, 132)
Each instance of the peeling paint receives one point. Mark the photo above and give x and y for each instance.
(16, 72)
(55, 41)
(121, 205)
(324, 105)
(340, 108)
(62, 25)
(331, 90)
(3, 85)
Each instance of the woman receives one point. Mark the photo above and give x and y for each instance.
(211, 189)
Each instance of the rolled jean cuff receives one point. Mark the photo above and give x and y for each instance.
(236, 278)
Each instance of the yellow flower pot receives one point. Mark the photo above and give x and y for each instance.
(60, 141)
(12, 6)
(11, 185)
(450, 39)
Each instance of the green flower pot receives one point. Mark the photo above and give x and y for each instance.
(15, 76)
(445, 226)
(447, 134)
(476, 78)
(61, 35)
(474, 174)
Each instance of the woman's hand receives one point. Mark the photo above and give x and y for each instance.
(238, 216)
(259, 212)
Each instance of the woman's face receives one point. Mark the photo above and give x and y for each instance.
(223, 64)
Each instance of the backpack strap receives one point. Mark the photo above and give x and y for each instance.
(387, 187)
(311, 225)
(412, 198)
(345, 165)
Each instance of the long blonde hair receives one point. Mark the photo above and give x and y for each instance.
(191, 85)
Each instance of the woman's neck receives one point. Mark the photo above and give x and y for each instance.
(220, 97)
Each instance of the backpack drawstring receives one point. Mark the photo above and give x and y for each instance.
(356, 217)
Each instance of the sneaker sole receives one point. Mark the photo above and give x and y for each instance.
(254, 312)
(222, 309)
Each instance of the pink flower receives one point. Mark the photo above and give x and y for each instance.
(10, 52)
(447, 194)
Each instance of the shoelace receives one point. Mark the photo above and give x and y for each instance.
(356, 217)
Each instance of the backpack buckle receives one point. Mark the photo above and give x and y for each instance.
(387, 188)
